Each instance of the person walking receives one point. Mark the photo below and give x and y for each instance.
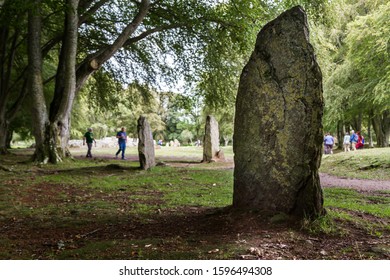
(88, 137)
(353, 140)
(122, 140)
(346, 142)
(329, 142)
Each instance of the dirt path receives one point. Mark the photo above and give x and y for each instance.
(328, 181)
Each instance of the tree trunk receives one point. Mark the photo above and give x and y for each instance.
(69, 82)
(357, 122)
(9, 138)
(6, 117)
(340, 135)
(65, 88)
(381, 125)
(371, 145)
(35, 84)
(56, 127)
(4, 30)
(3, 136)
(8, 48)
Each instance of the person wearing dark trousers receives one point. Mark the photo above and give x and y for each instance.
(88, 137)
(122, 139)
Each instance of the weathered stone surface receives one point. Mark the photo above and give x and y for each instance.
(278, 122)
(145, 144)
(211, 151)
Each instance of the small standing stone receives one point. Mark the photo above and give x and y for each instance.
(211, 151)
(145, 144)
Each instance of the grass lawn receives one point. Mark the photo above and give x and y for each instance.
(109, 209)
(362, 164)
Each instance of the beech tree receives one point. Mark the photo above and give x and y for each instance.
(354, 56)
(13, 78)
(369, 56)
(144, 30)
(51, 128)
(139, 40)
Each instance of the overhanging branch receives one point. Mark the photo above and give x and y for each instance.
(152, 31)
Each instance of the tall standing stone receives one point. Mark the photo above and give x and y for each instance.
(211, 151)
(145, 144)
(278, 122)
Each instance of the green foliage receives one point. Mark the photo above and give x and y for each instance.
(168, 114)
(352, 49)
(368, 39)
(186, 136)
(181, 113)
(103, 90)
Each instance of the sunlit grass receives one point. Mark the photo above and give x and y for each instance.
(364, 164)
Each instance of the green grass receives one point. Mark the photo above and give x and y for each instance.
(363, 164)
(185, 153)
(326, 224)
(378, 206)
(345, 206)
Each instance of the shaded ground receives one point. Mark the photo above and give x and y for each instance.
(192, 234)
(179, 233)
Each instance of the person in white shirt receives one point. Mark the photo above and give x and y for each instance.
(346, 142)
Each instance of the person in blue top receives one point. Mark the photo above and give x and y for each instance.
(354, 139)
(122, 139)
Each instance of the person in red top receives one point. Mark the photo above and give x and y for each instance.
(360, 142)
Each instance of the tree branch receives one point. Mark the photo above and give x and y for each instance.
(108, 52)
(86, 15)
(82, 19)
(94, 61)
(152, 31)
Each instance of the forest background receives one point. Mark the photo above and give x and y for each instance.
(177, 62)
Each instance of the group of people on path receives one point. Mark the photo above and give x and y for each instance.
(122, 140)
(354, 141)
